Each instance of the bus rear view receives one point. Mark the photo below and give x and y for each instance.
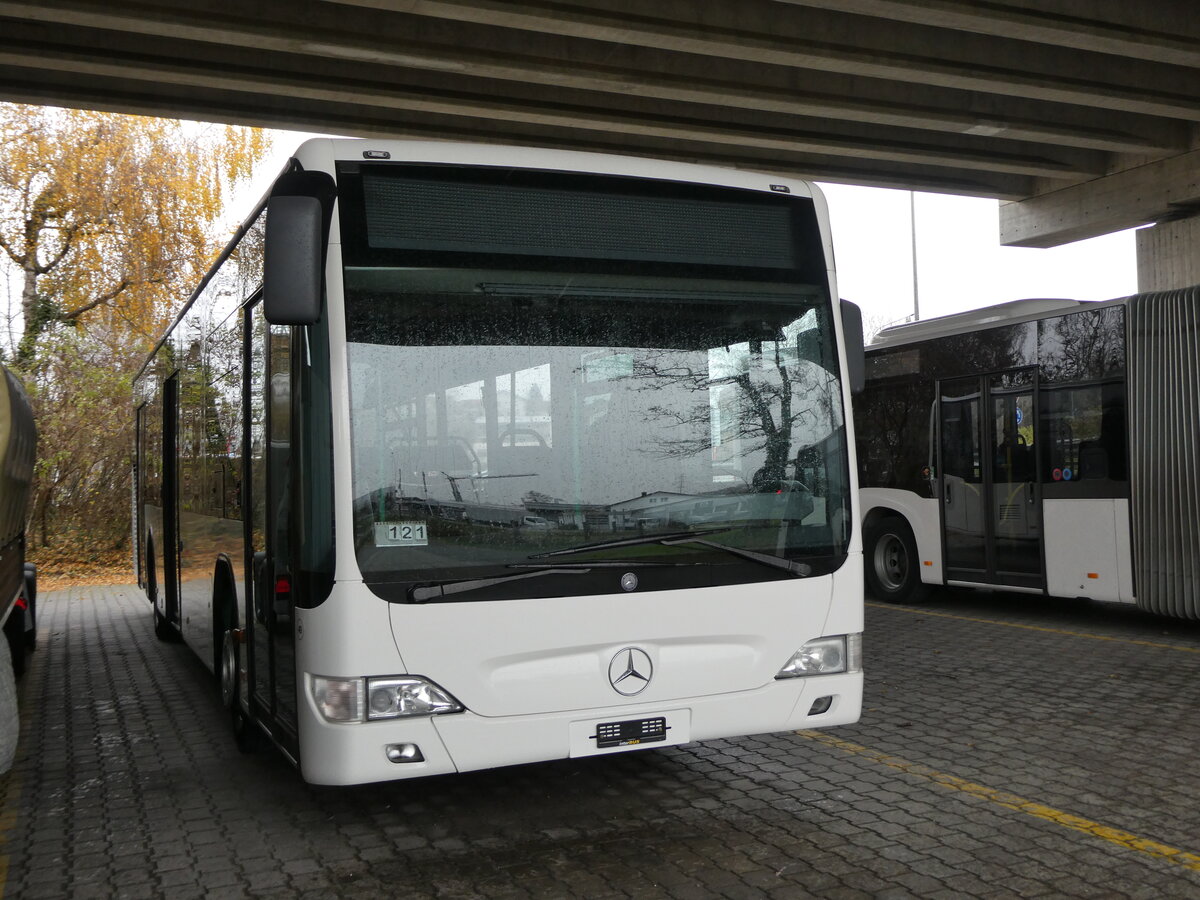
(556, 463)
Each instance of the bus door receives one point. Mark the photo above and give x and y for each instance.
(269, 615)
(991, 502)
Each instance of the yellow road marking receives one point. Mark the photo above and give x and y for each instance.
(1116, 836)
(921, 611)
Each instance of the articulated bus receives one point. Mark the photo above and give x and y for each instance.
(468, 456)
(1040, 446)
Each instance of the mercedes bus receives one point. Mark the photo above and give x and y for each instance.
(1041, 446)
(467, 456)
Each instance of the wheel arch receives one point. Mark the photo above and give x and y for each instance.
(922, 515)
(873, 516)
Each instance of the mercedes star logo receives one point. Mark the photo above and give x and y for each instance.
(630, 671)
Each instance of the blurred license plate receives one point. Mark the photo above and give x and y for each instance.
(631, 732)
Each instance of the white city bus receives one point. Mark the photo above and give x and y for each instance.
(466, 456)
(1040, 446)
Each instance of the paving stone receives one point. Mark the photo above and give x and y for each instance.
(149, 797)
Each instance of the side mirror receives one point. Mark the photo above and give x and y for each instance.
(856, 358)
(293, 270)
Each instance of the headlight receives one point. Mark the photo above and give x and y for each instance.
(339, 699)
(825, 656)
(388, 698)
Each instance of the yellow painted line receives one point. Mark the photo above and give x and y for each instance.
(1116, 836)
(921, 611)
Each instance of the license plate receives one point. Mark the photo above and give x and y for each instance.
(631, 732)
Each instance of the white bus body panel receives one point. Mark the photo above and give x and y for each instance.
(922, 515)
(1088, 549)
(534, 674)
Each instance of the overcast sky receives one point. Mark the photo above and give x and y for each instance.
(960, 263)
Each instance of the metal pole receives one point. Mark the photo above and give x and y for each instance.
(912, 217)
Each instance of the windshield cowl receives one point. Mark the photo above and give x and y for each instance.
(524, 581)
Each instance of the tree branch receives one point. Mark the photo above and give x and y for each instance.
(104, 298)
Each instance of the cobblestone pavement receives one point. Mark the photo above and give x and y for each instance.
(1010, 747)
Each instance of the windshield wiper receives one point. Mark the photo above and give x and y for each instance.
(673, 539)
(799, 569)
(425, 593)
(626, 542)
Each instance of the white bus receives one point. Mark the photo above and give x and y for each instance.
(419, 465)
(1040, 446)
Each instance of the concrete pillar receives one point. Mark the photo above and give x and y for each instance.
(1168, 255)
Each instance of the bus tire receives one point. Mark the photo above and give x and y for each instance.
(892, 568)
(224, 604)
(244, 732)
(161, 630)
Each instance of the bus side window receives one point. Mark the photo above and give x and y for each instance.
(1086, 427)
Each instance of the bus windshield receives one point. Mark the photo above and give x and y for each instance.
(553, 373)
(501, 417)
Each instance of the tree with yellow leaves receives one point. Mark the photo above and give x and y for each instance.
(109, 222)
(111, 217)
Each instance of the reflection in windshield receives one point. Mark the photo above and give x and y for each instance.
(499, 416)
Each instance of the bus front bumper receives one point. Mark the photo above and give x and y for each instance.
(344, 754)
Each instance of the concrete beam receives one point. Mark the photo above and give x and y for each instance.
(1006, 98)
(272, 81)
(240, 108)
(1154, 192)
(948, 114)
(1036, 22)
(909, 62)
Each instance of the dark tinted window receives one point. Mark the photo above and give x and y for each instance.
(1084, 434)
(1084, 346)
(894, 423)
(991, 350)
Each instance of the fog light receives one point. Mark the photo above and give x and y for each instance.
(404, 753)
(820, 705)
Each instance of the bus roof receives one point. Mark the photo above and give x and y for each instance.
(976, 319)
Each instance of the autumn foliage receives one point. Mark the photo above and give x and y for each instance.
(108, 223)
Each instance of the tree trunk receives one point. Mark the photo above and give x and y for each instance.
(33, 314)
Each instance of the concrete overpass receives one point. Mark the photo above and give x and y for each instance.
(1083, 113)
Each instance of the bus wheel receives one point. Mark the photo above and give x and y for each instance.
(162, 630)
(892, 572)
(231, 680)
